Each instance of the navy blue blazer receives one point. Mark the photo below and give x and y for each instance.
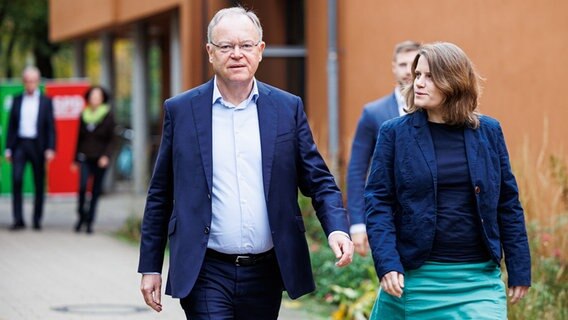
(178, 206)
(45, 124)
(401, 197)
(373, 116)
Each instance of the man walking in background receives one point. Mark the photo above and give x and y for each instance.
(30, 138)
(374, 114)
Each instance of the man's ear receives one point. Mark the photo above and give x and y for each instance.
(209, 50)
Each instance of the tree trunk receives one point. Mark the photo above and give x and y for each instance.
(10, 52)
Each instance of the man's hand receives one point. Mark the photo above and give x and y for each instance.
(49, 155)
(361, 243)
(151, 288)
(393, 283)
(517, 293)
(342, 247)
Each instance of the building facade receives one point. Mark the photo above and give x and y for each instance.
(515, 47)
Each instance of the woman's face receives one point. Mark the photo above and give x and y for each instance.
(96, 97)
(426, 94)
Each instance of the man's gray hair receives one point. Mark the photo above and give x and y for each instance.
(233, 11)
(31, 69)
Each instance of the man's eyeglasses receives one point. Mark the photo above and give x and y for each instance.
(246, 46)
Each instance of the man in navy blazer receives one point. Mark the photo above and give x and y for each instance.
(30, 138)
(234, 153)
(374, 114)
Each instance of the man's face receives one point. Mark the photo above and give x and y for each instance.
(401, 67)
(237, 51)
(31, 81)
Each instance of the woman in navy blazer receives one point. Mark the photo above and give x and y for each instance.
(442, 203)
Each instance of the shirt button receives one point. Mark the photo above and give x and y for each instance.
(206, 230)
(477, 189)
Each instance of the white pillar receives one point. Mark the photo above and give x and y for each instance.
(175, 55)
(139, 112)
(107, 81)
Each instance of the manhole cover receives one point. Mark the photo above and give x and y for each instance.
(105, 309)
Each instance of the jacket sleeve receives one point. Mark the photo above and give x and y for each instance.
(316, 181)
(12, 133)
(109, 135)
(159, 204)
(361, 153)
(50, 126)
(380, 198)
(511, 221)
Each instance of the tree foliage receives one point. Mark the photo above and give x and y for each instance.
(24, 34)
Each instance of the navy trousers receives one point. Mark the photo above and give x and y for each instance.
(27, 151)
(226, 291)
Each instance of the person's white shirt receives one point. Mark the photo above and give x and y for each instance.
(28, 116)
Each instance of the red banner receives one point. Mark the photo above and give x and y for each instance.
(68, 102)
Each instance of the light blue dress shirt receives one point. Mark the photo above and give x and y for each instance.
(240, 218)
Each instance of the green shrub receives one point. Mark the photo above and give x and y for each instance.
(130, 230)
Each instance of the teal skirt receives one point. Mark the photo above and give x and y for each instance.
(447, 291)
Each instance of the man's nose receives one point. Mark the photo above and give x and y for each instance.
(236, 52)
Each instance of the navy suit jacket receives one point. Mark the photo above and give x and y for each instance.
(374, 114)
(401, 197)
(45, 124)
(178, 206)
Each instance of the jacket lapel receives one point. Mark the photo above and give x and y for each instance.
(424, 139)
(471, 138)
(268, 124)
(203, 115)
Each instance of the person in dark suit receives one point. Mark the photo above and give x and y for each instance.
(233, 154)
(442, 202)
(373, 116)
(92, 155)
(30, 138)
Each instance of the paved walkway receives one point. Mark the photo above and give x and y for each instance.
(60, 275)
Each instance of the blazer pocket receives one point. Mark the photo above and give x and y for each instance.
(286, 136)
(300, 224)
(172, 226)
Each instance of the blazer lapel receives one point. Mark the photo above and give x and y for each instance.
(268, 124)
(424, 140)
(203, 115)
(41, 112)
(471, 138)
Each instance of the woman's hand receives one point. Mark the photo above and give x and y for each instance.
(393, 283)
(517, 293)
(103, 162)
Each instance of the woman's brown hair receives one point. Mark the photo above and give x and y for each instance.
(454, 75)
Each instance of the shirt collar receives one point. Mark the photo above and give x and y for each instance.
(35, 94)
(218, 98)
(399, 98)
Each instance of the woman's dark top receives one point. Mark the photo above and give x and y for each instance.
(95, 140)
(458, 230)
